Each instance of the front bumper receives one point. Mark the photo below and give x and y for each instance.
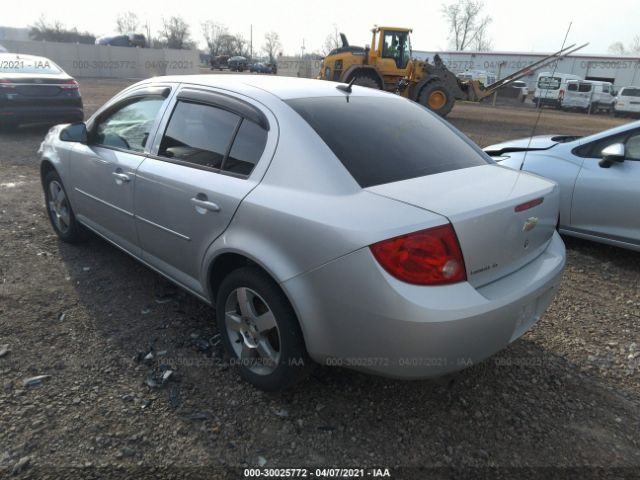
(354, 314)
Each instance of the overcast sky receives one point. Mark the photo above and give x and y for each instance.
(537, 26)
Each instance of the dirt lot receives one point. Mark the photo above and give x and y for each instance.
(566, 395)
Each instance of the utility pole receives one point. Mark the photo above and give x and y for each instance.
(251, 43)
(495, 94)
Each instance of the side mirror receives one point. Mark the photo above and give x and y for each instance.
(612, 153)
(76, 132)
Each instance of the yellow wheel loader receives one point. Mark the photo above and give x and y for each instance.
(388, 64)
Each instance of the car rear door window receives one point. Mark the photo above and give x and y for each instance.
(247, 148)
(127, 127)
(199, 134)
(382, 140)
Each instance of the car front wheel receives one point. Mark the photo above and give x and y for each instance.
(59, 210)
(260, 330)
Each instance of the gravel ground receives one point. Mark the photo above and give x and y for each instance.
(564, 396)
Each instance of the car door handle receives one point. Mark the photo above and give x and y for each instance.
(123, 177)
(204, 205)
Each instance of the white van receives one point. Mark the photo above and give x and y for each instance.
(588, 95)
(550, 88)
(627, 101)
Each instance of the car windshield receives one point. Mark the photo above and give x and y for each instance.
(630, 92)
(382, 140)
(28, 65)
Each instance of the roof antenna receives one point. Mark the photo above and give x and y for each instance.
(535, 125)
(347, 88)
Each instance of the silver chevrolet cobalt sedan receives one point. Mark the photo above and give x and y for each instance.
(327, 222)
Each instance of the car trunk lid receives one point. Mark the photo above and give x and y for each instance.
(503, 218)
(37, 86)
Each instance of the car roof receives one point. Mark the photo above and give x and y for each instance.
(282, 87)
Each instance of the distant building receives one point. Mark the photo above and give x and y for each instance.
(622, 71)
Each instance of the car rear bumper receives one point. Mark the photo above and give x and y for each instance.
(354, 314)
(42, 113)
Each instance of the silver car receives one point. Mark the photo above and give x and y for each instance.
(343, 224)
(599, 178)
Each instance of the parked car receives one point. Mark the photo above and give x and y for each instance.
(237, 64)
(599, 178)
(551, 87)
(588, 95)
(516, 89)
(260, 68)
(219, 62)
(123, 40)
(627, 102)
(36, 90)
(409, 255)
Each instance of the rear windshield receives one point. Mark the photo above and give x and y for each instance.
(630, 92)
(28, 65)
(549, 83)
(383, 140)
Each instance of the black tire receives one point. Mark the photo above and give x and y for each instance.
(437, 89)
(365, 80)
(294, 363)
(74, 232)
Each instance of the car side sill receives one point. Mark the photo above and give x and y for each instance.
(146, 264)
(596, 238)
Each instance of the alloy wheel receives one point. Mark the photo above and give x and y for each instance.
(253, 331)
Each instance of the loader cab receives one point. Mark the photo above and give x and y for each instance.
(392, 47)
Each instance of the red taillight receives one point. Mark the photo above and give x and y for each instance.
(6, 83)
(69, 84)
(427, 257)
(527, 205)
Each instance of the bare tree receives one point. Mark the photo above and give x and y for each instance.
(55, 31)
(240, 46)
(127, 22)
(617, 48)
(332, 41)
(227, 44)
(214, 34)
(482, 42)
(272, 45)
(175, 33)
(467, 23)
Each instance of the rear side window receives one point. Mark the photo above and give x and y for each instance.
(572, 87)
(199, 134)
(630, 92)
(382, 140)
(247, 148)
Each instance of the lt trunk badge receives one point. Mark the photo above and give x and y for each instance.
(530, 224)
